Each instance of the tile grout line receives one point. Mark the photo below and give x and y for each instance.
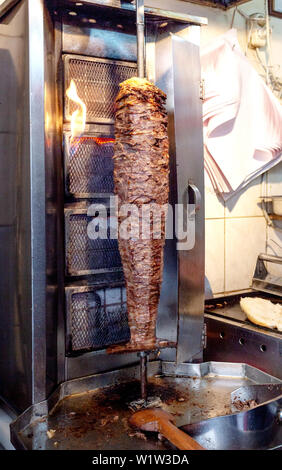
(236, 217)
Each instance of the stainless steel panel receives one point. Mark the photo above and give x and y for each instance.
(97, 82)
(97, 361)
(237, 342)
(190, 170)
(159, 70)
(177, 71)
(127, 7)
(255, 429)
(37, 197)
(55, 352)
(15, 325)
(22, 81)
(100, 35)
(211, 369)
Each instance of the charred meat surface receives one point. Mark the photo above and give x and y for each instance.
(141, 171)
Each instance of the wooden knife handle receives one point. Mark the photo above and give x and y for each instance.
(179, 438)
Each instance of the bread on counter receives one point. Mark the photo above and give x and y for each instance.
(262, 312)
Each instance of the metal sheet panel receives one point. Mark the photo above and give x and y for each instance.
(37, 197)
(237, 341)
(100, 33)
(177, 72)
(190, 171)
(22, 277)
(15, 358)
(159, 69)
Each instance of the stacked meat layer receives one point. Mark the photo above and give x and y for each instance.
(141, 178)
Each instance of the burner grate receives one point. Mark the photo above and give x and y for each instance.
(97, 82)
(89, 166)
(96, 317)
(85, 255)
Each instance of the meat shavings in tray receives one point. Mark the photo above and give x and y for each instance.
(244, 405)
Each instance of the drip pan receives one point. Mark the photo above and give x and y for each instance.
(92, 412)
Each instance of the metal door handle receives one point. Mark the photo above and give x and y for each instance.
(189, 210)
(197, 196)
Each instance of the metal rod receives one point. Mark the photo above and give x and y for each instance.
(143, 374)
(140, 30)
(140, 25)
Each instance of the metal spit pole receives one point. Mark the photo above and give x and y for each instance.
(140, 26)
(143, 374)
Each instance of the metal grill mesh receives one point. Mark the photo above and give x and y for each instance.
(96, 324)
(85, 255)
(90, 166)
(97, 85)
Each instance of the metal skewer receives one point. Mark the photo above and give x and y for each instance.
(143, 374)
(140, 25)
(140, 30)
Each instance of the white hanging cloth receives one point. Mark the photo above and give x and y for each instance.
(242, 118)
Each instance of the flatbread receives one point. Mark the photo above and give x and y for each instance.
(262, 312)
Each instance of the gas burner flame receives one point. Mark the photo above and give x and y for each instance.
(78, 117)
(77, 141)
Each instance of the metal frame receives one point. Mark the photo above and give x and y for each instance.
(70, 290)
(272, 10)
(216, 5)
(67, 136)
(155, 13)
(262, 280)
(78, 211)
(37, 196)
(121, 5)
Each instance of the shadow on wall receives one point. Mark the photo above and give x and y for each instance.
(208, 289)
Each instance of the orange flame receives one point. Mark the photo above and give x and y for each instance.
(78, 117)
(77, 141)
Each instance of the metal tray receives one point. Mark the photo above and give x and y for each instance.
(92, 412)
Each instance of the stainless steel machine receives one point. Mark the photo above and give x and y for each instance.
(62, 294)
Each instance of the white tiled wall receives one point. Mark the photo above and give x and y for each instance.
(244, 240)
(236, 232)
(215, 257)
